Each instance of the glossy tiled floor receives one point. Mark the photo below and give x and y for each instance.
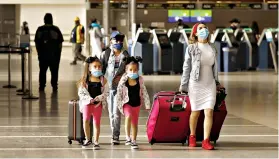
(38, 128)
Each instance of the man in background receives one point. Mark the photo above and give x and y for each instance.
(77, 38)
(234, 24)
(113, 29)
(48, 40)
(181, 25)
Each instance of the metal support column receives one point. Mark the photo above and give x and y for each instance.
(106, 16)
(133, 17)
(87, 40)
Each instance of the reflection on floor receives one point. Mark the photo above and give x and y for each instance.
(38, 128)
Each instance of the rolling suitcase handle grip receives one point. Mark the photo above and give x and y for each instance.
(181, 93)
(181, 107)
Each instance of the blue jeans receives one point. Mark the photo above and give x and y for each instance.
(114, 115)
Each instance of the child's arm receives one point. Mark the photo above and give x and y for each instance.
(105, 93)
(146, 98)
(119, 96)
(84, 95)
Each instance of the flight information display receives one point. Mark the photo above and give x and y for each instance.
(201, 16)
(175, 15)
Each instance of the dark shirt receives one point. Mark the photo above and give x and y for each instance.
(48, 41)
(134, 94)
(94, 89)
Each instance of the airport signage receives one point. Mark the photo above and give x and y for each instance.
(166, 6)
(232, 6)
(256, 6)
(208, 6)
(147, 6)
(119, 5)
(273, 6)
(187, 6)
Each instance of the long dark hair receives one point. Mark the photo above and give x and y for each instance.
(255, 27)
(86, 74)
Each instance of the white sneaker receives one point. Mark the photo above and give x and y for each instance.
(134, 145)
(96, 146)
(128, 142)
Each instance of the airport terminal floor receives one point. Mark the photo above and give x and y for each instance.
(38, 128)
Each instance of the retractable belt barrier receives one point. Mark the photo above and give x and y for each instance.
(8, 49)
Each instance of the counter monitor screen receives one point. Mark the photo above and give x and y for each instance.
(175, 15)
(144, 37)
(201, 16)
(164, 40)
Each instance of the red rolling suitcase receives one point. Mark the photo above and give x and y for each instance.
(219, 116)
(169, 122)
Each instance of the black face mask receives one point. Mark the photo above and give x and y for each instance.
(233, 27)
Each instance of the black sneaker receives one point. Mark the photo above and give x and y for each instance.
(115, 141)
(96, 147)
(87, 143)
(134, 145)
(128, 142)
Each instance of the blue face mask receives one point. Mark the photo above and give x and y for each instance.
(203, 33)
(133, 75)
(96, 25)
(118, 46)
(96, 73)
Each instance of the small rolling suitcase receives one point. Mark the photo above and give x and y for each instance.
(75, 123)
(168, 121)
(219, 115)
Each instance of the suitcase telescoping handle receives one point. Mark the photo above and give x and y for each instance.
(181, 93)
(178, 108)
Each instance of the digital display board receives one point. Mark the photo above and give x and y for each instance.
(175, 15)
(201, 16)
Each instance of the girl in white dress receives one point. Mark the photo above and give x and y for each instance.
(200, 80)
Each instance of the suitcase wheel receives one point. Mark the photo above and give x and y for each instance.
(152, 141)
(215, 142)
(70, 142)
(184, 142)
